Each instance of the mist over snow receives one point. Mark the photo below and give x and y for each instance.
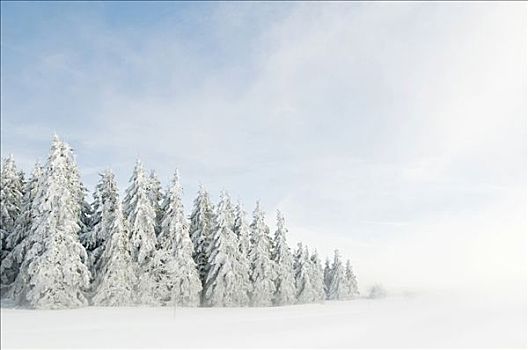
(396, 132)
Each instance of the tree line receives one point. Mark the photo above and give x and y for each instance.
(59, 251)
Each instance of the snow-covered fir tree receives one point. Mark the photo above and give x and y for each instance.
(226, 275)
(53, 273)
(140, 216)
(174, 238)
(262, 266)
(83, 209)
(327, 273)
(285, 291)
(11, 209)
(338, 288)
(317, 276)
(23, 228)
(11, 193)
(242, 232)
(156, 279)
(303, 273)
(104, 206)
(201, 228)
(156, 197)
(115, 282)
(351, 281)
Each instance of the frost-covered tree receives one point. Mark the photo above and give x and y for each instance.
(327, 273)
(83, 209)
(303, 272)
(156, 197)
(104, 207)
(351, 281)
(242, 232)
(285, 291)
(155, 282)
(53, 273)
(174, 238)
(11, 193)
(317, 276)
(85, 220)
(337, 290)
(140, 216)
(116, 279)
(225, 276)
(12, 208)
(201, 228)
(262, 267)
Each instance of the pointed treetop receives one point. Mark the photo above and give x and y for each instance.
(176, 175)
(258, 211)
(280, 220)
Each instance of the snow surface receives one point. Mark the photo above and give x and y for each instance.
(412, 321)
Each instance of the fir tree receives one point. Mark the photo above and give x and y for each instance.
(242, 232)
(53, 274)
(23, 228)
(327, 277)
(317, 276)
(155, 283)
(141, 217)
(351, 281)
(155, 195)
(303, 283)
(201, 226)
(285, 291)
(262, 269)
(174, 239)
(225, 276)
(337, 290)
(116, 279)
(11, 187)
(11, 208)
(105, 197)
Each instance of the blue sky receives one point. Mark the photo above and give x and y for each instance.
(389, 130)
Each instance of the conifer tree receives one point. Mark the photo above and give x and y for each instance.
(140, 216)
(53, 273)
(327, 273)
(83, 209)
(317, 276)
(242, 232)
(156, 279)
(105, 197)
(303, 283)
(115, 282)
(225, 278)
(262, 267)
(11, 192)
(11, 208)
(201, 227)
(351, 281)
(285, 291)
(174, 238)
(156, 197)
(337, 290)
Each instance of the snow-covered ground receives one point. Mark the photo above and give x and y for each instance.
(412, 321)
